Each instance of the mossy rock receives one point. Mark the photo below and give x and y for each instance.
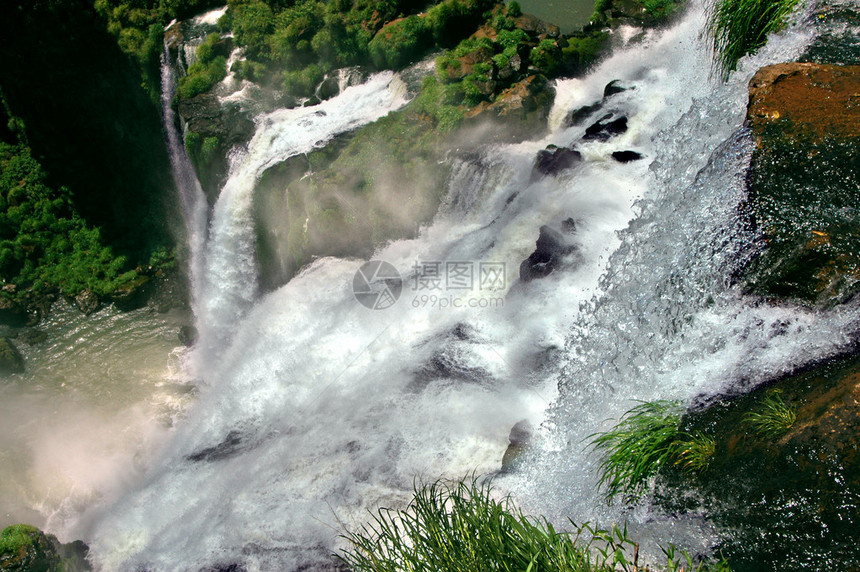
(784, 500)
(25, 548)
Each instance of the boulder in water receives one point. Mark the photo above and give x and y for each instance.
(188, 335)
(626, 156)
(579, 115)
(551, 247)
(613, 87)
(604, 129)
(519, 441)
(552, 160)
(87, 302)
(11, 360)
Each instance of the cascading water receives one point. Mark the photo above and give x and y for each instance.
(317, 408)
(193, 200)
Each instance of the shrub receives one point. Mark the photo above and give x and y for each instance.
(400, 43)
(741, 27)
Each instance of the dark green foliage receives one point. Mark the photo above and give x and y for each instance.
(400, 43)
(138, 28)
(209, 69)
(582, 51)
(94, 131)
(514, 10)
(461, 527)
(44, 243)
(741, 27)
(546, 56)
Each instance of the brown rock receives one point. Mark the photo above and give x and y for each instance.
(816, 100)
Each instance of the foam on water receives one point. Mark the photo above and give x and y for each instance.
(316, 408)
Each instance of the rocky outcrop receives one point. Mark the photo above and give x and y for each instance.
(11, 360)
(552, 160)
(812, 464)
(804, 181)
(521, 109)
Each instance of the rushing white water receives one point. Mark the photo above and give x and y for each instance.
(316, 408)
(231, 285)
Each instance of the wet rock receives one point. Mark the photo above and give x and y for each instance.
(626, 156)
(87, 302)
(132, 295)
(519, 441)
(11, 360)
(803, 182)
(604, 129)
(612, 88)
(229, 446)
(552, 160)
(328, 88)
(551, 247)
(12, 313)
(580, 114)
(33, 337)
(188, 335)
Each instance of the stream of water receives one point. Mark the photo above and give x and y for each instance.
(313, 409)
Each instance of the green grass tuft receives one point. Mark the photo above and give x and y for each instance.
(774, 418)
(462, 528)
(741, 27)
(694, 454)
(634, 450)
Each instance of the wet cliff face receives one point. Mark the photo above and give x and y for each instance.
(804, 184)
(87, 119)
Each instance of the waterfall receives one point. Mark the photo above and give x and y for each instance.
(317, 409)
(194, 207)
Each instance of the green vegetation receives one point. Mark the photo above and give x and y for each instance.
(297, 43)
(25, 548)
(773, 418)
(741, 27)
(44, 243)
(695, 454)
(209, 69)
(138, 26)
(462, 528)
(644, 440)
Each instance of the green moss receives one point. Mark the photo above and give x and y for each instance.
(25, 548)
